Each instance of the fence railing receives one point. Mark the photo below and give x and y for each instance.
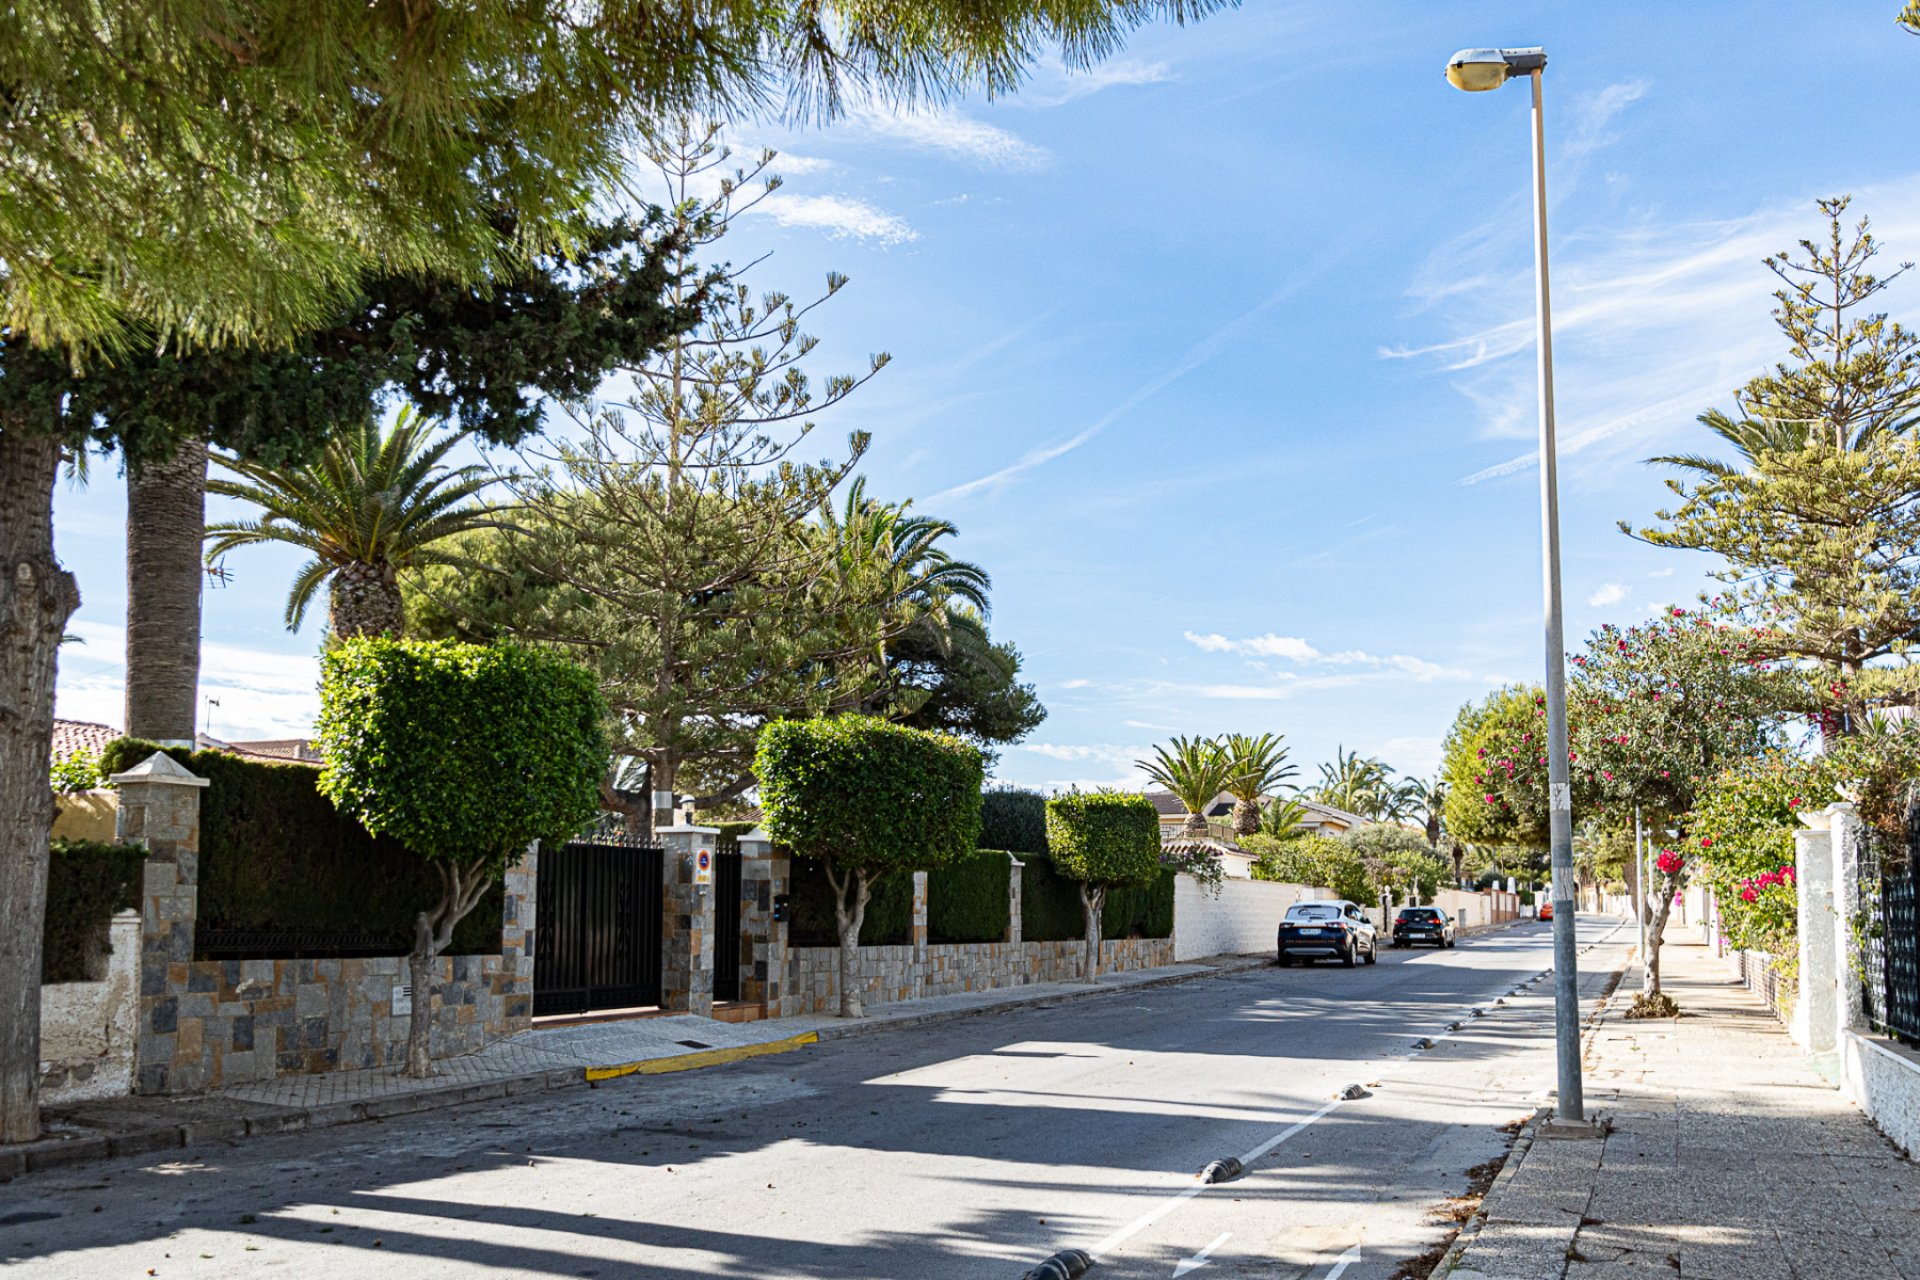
(1887, 929)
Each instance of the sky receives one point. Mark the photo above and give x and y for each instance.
(1221, 354)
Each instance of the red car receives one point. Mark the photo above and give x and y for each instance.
(1546, 911)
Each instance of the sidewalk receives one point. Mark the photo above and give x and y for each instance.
(1729, 1158)
(548, 1058)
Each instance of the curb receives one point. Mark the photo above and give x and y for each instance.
(705, 1058)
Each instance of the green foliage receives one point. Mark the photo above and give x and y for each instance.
(889, 918)
(77, 771)
(460, 752)
(1050, 906)
(1104, 838)
(1741, 842)
(1474, 812)
(87, 881)
(1359, 784)
(276, 854)
(868, 795)
(1194, 769)
(1195, 858)
(1013, 820)
(728, 839)
(967, 900)
(1311, 860)
(1400, 859)
(961, 682)
(1139, 910)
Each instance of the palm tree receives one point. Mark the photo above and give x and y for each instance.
(1359, 784)
(1429, 798)
(1283, 819)
(1195, 770)
(372, 505)
(1262, 766)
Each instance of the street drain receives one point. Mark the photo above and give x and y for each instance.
(694, 1044)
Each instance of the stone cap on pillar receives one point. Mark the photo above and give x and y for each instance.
(756, 836)
(686, 829)
(163, 769)
(1822, 819)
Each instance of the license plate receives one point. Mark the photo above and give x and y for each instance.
(1310, 933)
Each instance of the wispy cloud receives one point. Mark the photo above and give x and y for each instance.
(1070, 86)
(260, 694)
(951, 133)
(1104, 752)
(1295, 649)
(1075, 684)
(839, 216)
(1609, 593)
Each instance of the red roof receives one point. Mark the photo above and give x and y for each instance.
(83, 737)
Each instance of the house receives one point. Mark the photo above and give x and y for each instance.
(1318, 819)
(81, 737)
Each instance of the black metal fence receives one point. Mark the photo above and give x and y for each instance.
(1887, 926)
(596, 940)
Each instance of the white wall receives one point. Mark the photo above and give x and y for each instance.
(1243, 920)
(87, 1029)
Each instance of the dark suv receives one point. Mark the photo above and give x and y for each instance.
(1338, 930)
(1422, 924)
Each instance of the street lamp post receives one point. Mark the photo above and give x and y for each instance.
(1477, 70)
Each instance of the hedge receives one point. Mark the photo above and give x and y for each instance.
(1013, 820)
(276, 854)
(967, 901)
(1140, 910)
(1104, 837)
(728, 841)
(889, 918)
(1050, 909)
(87, 881)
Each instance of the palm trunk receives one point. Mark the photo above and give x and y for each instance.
(37, 597)
(850, 895)
(1093, 898)
(166, 519)
(460, 890)
(364, 600)
(1196, 827)
(1246, 817)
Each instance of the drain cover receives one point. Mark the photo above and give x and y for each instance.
(694, 1044)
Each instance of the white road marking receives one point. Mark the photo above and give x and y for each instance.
(1344, 1261)
(1199, 1259)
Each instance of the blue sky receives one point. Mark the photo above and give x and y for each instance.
(1221, 356)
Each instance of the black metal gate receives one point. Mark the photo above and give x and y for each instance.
(726, 925)
(596, 938)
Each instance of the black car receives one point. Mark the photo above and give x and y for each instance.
(1422, 924)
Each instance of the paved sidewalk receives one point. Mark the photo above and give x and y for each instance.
(1729, 1158)
(548, 1058)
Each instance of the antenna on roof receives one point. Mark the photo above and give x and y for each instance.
(212, 702)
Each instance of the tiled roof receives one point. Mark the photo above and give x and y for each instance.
(70, 736)
(279, 749)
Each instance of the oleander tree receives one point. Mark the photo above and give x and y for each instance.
(465, 754)
(1102, 839)
(868, 799)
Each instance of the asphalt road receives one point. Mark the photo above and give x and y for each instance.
(966, 1149)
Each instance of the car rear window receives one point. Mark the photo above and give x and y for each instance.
(1313, 913)
(1419, 913)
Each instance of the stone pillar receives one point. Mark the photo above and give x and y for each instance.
(160, 808)
(1815, 1013)
(919, 979)
(1013, 933)
(1849, 1003)
(764, 876)
(686, 932)
(520, 909)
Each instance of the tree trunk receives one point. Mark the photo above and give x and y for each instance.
(1093, 897)
(364, 600)
(1656, 931)
(166, 521)
(850, 895)
(37, 597)
(460, 890)
(1246, 817)
(1196, 827)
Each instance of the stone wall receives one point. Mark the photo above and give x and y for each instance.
(87, 1028)
(889, 975)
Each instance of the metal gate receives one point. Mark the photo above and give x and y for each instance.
(726, 925)
(596, 937)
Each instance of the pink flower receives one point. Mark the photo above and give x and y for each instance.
(1794, 803)
(1748, 895)
(1669, 862)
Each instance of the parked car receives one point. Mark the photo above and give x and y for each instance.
(1422, 924)
(1335, 929)
(1546, 910)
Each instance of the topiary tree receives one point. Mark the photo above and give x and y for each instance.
(1101, 839)
(466, 754)
(868, 799)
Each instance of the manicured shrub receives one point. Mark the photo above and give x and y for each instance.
(728, 840)
(967, 900)
(1103, 839)
(1050, 906)
(871, 800)
(1013, 820)
(87, 881)
(465, 754)
(276, 855)
(811, 921)
(1140, 910)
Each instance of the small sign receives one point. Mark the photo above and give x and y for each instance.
(402, 999)
(703, 867)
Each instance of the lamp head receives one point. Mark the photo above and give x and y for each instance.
(1477, 70)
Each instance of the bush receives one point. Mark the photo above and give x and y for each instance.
(810, 920)
(75, 771)
(728, 841)
(1050, 909)
(1741, 846)
(1312, 860)
(1140, 910)
(87, 881)
(1013, 820)
(967, 900)
(1104, 838)
(275, 854)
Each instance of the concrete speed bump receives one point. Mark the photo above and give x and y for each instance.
(705, 1058)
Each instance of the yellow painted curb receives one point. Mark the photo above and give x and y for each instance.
(705, 1058)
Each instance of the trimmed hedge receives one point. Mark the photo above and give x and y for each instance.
(967, 900)
(1013, 820)
(1050, 909)
(889, 918)
(1140, 910)
(87, 881)
(1104, 837)
(728, 841)
(276, 854)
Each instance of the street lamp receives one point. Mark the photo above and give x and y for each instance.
(1477, 70)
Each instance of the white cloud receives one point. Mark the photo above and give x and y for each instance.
(1074, 85)
(1416, 756)
(261, 694)
(1661, 573)
(951, 133)
(1609, 593)
(1104, 752)
(838, 216)
(1075, 684)
(1295, 649)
